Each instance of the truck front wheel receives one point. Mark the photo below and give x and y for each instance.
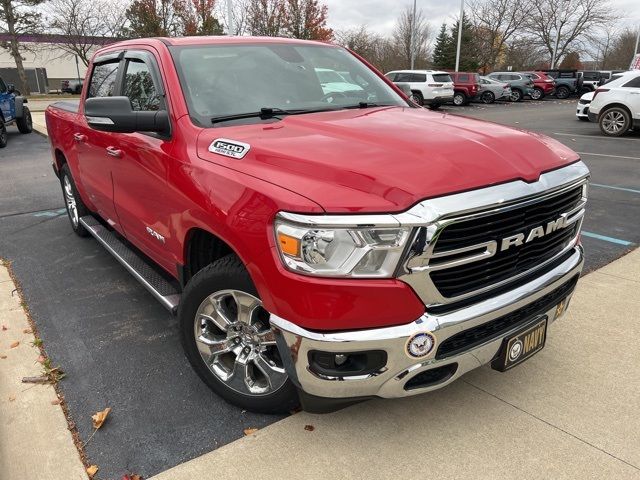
(72, 201)
(228, 340)
(25, 123)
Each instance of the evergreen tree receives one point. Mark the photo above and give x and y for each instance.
(443, 53)
(468, 58)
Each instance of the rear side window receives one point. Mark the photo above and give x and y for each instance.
(103, 79)
(635, 83)
(139, 87)
(442, 77)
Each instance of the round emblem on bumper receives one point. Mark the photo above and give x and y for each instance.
(516, 350)
(420, 344)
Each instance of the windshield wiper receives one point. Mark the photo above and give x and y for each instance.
(368, 105)
(266, 113)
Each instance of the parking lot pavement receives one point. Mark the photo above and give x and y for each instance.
(121, 349)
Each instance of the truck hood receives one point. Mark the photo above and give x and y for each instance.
(385, 159)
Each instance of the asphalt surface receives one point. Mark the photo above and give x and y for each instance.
(120, 348)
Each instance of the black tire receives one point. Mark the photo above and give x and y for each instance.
(516, 95)
(227, 273)
(562, 92)
(434, 106)
(25, 122)
(4, 136)
(81, 209)
(487, 97)
(614, 121)
(537, 94)
(417, 98)
(460, 99)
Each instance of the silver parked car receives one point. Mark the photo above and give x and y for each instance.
(492, 90)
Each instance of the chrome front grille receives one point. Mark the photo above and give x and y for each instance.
(463, 256)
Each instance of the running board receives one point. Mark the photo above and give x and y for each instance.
(159, 287)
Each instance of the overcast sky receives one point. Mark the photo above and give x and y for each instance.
(380, 15)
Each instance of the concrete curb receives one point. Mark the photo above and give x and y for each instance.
(39, 124)
(570, 412)
(34, 439)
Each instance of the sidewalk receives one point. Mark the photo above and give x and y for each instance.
(35, 442)
(571, 412)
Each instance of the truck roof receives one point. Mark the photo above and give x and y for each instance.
(210, 40)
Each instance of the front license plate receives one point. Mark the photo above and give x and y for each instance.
(520, 346)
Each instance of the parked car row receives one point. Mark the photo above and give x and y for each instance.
(614, 105)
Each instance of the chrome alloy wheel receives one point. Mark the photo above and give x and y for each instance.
(70, 200)
(613, 121)
(236, 343)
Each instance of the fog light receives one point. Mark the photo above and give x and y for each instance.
(340, 359)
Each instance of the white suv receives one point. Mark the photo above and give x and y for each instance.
(428, 87)
(616, 105)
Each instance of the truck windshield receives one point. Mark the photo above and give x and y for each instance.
(229, 80)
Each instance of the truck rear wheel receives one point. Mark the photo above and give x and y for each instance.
(4, 137)
(228, 340)
(25, 123)
(562, 92)
(72, 201)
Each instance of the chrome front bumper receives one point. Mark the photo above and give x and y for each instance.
(295, 343)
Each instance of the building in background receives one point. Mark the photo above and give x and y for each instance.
(46, 63)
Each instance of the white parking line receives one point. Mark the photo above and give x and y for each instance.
(606, 155)
(599, 137)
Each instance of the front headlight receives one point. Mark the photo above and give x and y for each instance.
(341, 251)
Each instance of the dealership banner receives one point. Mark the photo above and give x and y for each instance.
(635, 63)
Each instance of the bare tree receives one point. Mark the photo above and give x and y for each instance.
(621, 51)
(496, 23)
(18, 17)
(239, 12)
(402, 37)
(266, 17)
(83, 26)
(561, 26)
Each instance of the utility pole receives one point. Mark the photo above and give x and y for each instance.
(637, 41)
(412, 42)
(230, 26)
(459, 35)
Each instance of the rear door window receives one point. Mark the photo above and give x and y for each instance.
(139, 86)
(418, 77)
(442, 78)
(463, 78)
(103, 79)
(635, 83)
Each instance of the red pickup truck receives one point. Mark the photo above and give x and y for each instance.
(312, 248)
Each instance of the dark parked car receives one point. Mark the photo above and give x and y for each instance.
(543, 85)
(568, 82)
(12, 111)
(71, 86)
(521, 85)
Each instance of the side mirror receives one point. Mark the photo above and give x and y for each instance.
(11, 88)
(114, 114)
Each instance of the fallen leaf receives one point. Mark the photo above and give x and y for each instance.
(55, 402)
(249, 431)
(27, 330)
(3, 356)
(92, 470)
(41, 359)
(100, 417)
(14, 344)
(4, 327)
(132, 477)
(309, 428)
(12, 398)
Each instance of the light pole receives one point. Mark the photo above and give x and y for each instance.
(412, 41)
(637, 41)
(230, 17)
(459, 34)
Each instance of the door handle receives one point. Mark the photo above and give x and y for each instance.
(79, 137)
(114, 152)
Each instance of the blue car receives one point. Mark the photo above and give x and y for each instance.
(13, 110)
